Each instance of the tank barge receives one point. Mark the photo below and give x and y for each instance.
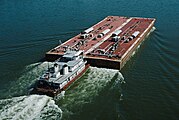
(109, 43)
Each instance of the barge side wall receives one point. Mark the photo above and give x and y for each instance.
(141, 39)
(103, 63)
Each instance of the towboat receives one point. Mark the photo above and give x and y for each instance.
(64, 71)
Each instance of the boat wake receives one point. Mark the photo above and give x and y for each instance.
(87, 89)
(20, 86)
(29, 107)
(80, 93)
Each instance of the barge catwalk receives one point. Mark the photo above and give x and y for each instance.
(109, 43)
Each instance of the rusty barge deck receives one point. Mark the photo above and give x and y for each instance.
(109, 43)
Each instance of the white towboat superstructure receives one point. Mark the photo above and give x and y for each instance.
(64, 71)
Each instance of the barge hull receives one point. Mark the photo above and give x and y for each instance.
(103, 63)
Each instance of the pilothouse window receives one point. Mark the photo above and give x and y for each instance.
(65, 59)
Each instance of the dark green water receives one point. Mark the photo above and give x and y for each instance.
(30, 28)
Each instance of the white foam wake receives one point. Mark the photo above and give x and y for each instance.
(43, 107)
(29, 107)
(88, 87)
(29, 76)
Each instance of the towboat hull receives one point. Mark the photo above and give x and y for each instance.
(54, 92)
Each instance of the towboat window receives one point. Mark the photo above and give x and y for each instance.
(65, 59)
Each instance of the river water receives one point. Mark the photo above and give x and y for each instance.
(30, 28)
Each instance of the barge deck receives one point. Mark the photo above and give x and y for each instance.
(109, 43)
